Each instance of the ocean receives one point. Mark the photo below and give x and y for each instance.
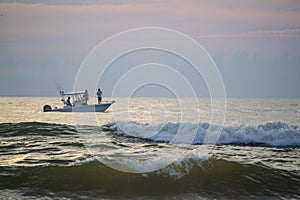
(147, 148)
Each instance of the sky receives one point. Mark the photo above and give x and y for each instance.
(255, 44)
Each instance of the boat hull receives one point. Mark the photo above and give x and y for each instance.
(87, 108)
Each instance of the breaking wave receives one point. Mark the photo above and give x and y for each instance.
(42, 160)
(275, 134)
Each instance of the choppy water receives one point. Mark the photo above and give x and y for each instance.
(47, 155)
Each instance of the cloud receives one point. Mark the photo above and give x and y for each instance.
(59, 2)
(81, 2)
(288, 33)
(35, 33)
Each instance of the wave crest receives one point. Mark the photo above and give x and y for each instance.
(275, 134)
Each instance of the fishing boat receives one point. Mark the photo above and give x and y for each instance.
(77, 102)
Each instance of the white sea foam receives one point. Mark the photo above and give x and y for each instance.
(271, 133)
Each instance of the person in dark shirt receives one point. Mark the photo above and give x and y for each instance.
(99, 95)
(68, 102)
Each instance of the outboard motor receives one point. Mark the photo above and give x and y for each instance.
(47, 108)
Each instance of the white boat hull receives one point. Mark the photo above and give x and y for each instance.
(86, 108)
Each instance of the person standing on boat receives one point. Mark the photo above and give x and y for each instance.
(68, 102)
(99, 94)
(86, 96)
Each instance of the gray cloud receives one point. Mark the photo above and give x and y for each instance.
(40, 43)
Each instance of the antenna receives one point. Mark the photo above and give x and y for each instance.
(61, 91)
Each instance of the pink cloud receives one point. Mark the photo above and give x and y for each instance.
(293, 33)
(69, 26)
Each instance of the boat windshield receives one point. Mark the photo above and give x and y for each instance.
(79, 98)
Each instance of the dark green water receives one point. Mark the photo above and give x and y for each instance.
(42, 160)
